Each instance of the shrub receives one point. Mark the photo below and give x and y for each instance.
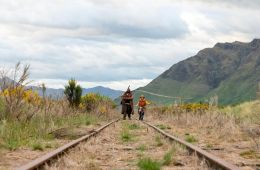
(194, 107)
(95, 101)
(28, 102)
(19, 102)
(73, 93)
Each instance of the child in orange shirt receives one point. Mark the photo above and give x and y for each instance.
(142, 106)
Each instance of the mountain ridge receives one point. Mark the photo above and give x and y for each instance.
(59, 92)
(228, 70)
(105, 91)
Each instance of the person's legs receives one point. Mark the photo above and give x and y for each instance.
(129, 111)
(142, 115)
(124, 117)
(143, 111)
(129, 116)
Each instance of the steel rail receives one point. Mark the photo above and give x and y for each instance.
(37, 163)
(216, 161)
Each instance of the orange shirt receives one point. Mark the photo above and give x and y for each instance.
(142, 103)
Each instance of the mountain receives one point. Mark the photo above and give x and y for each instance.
(7, 81)
(50, 92)
(103, 91)
(229, 70)
(57, 93)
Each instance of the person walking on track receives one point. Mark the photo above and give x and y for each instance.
(142, 107)
(127, 104)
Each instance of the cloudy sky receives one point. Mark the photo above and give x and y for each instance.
(116, 43)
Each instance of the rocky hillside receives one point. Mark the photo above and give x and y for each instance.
(229, 70)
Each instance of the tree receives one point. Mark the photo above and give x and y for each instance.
(73, 93)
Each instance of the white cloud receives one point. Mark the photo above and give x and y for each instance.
(114, 41)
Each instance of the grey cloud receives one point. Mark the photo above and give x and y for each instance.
(105, 20)
(239, 3)
(157, 32)
(112, 40)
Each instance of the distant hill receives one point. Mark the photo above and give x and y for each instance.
(111, 93)
(7, 81)
(50, 92)
(229, 70)
(104, 91)
(58, 93)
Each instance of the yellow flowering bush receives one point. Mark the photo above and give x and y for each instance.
(28, 96)
(94, 101)
(194, 107)
(32, 97)
(21, 102)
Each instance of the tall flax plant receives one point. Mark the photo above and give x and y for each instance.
(73, 93)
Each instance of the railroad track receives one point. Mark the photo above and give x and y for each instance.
(45, 159)
(210, 159)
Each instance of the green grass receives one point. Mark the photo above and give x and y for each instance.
(15, 134)
(168, 157)
(190, 139)
(133, 126)
(126, 136)
(142, 148)
(158, 141)
(10, 144)
(149, 164)
(38, 146)
(162, 127)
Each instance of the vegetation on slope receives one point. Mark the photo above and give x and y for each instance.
(228, 70)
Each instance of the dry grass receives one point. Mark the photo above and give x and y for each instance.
(227, 132)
